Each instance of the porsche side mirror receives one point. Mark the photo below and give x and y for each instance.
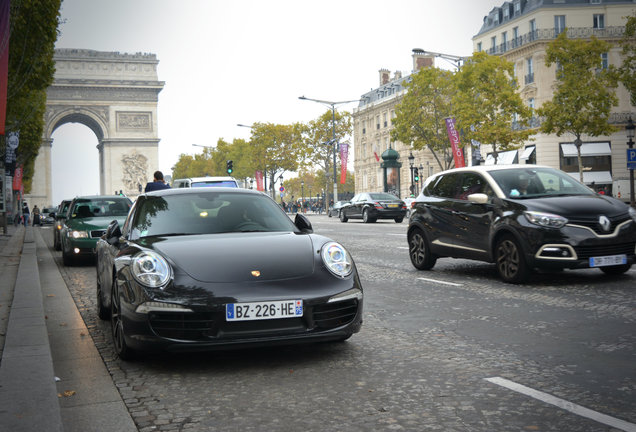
(303, 224)
(113, 233)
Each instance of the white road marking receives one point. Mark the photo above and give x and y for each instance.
(441, 282)
(563, 404)
(403, 247)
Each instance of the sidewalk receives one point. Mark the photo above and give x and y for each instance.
(43, 339)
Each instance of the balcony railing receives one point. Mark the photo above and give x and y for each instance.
(551, 34)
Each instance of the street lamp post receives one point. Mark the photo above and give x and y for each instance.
(422, 174)
(411, 158)
(302, 196)
(333, 132)
(629, 129)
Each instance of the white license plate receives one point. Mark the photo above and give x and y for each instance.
(608, 260)
(263, 310)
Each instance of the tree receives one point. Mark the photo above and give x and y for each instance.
(276, 148)
(627, 70)
(584, 92)
(420, 116)
(318, 140)
(33, 26)
(487, 105)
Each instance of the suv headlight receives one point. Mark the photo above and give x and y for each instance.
(545, 219)
(337, 259)
(150, 269)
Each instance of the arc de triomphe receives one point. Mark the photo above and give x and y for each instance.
(115, 95)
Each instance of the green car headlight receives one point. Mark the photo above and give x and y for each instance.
(77, 234)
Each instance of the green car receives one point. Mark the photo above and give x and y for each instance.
(86, 222)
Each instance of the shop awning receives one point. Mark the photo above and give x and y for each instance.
(527, 152)
(587, 149)
(598, 177)
(503, 158)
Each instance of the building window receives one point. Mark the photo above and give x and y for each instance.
(515, 37)
(559, 24)
(517, 7)
(493, 43)
(384, 122)
(377, 122)
(531, 103)
(504, 41)
(599, 21)
(533, 29)
(364, 127)
(478, 46)
(392, 117)
(604, 61)
(595, 2)
(530, 70)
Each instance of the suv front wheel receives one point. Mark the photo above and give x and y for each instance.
(511, 265)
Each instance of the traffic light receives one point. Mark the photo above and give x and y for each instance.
(416, 174)
(230, 166)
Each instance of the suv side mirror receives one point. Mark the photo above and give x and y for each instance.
(303, 224)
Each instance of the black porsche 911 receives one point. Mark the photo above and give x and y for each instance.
(195, 269)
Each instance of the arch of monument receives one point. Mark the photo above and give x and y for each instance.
(115, 95)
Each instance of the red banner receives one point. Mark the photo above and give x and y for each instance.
(344, 155)
(453, 136)
(258, 175)
(17, 179)
(4, 60)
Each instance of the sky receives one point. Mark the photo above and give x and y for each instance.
(246, 61)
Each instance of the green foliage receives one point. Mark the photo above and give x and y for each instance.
(31, 70)
(627, 70)
(584, 93)
(420, 116)
(487, 103)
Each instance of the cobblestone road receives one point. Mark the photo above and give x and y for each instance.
(419, 364)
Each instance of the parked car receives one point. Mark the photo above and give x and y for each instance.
(222, 181)
(60, 217)
(87, 220)
(373, 206)
(335, 209)
(206, 268)
(520, 217)
(48, 215)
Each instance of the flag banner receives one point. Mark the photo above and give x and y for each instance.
(344, 155)
(377, 158)
(453, 136)
(17, 179)
(4, 61)
(258, 175)
(13, 140)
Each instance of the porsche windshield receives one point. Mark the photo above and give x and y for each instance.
(208, 212)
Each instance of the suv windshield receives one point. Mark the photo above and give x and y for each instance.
(537, 182)
(208, 212)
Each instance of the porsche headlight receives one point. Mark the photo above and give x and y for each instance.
(150, 269)
(545, 219)
(77, 234)
(337, 259)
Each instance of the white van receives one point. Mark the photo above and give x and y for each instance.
(205, 182)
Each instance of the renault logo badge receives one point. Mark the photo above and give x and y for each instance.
(256, 273)
(605, 223)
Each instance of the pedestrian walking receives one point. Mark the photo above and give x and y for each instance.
(157, 184)
(25, 213)
(37, 220)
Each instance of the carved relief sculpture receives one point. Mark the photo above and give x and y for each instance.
(134, 168)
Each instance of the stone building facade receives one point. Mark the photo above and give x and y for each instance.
(520, 31)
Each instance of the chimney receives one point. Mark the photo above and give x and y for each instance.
(421, 59)
(397, 75)
(385, 76)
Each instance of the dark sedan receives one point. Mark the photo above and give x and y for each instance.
(199, 269)
(335, 209)
(372, 206)
(60, 217)
(520, 217)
